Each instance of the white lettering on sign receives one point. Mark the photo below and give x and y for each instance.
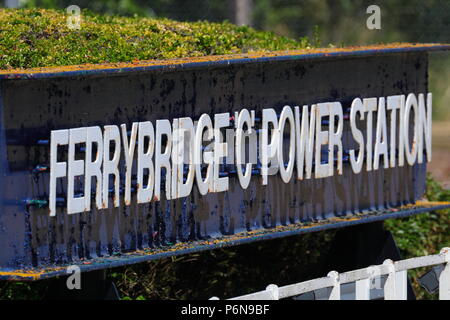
(171, 156)
(144, 161)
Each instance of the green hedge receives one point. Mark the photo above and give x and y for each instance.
(41, 38)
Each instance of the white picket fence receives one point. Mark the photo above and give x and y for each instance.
(394, 287)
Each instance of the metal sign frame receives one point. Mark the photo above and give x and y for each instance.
(36, 102)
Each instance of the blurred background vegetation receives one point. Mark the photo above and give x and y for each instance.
(233, 271)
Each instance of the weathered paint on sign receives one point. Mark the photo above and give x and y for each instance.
(172, 146)
(145, 199)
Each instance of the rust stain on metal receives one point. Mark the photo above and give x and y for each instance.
(180, 61)
(424, 203)
(31, 274)
(36, 274)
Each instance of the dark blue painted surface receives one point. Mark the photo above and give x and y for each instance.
(32, 105)
(148, 255)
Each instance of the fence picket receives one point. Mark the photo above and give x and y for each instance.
(444, 278)
(401, 285)
(362, 289)
(395, 286)
(336, 288)
(273, 291)
(389, 285)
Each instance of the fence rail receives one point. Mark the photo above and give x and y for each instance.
(394, 287)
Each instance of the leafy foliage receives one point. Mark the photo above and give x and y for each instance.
(41, 38)
(423, 234)
(22, 290)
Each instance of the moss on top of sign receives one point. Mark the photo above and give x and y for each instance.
(42, 38)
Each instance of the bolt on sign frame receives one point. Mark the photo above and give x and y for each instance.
(44, 226)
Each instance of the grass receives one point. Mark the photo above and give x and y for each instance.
(41, 38)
